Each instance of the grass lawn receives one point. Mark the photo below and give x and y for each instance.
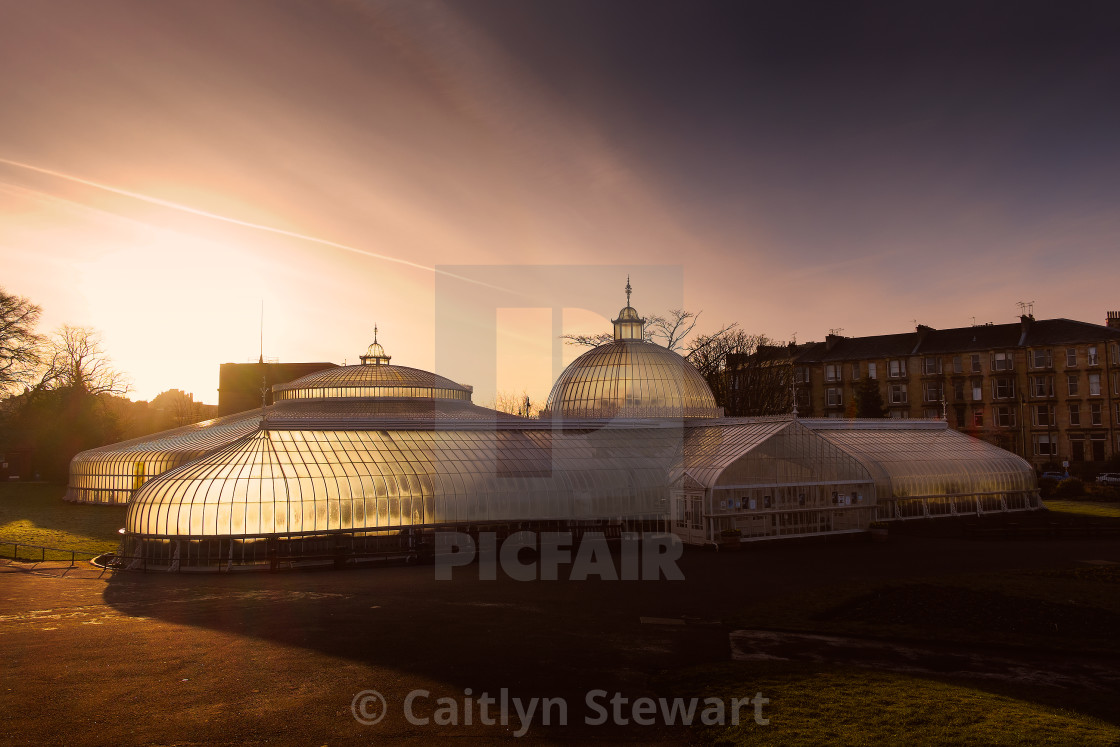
(812, 704)
(1068, 608)
(35, 514)
(1057, 609)
(1085, 508)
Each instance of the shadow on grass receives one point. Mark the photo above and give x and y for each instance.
(561, 639)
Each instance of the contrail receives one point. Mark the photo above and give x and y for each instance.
(238, 222)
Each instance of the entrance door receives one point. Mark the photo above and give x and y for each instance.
(688, 517)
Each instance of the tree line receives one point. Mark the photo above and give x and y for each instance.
(60, 393)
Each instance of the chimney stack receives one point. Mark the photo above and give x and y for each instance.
(1113, 321)
(1025, 321)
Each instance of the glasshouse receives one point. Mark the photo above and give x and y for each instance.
(363, 462)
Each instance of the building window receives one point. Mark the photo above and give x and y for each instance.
(1002, 361)
(931, 365)
(959, 412)
(1042, 386)
(872, 373)
(934, 392)
(958, 367)
(1043, 415)
(977, 390)
(978, 418)
(1074, 414)
(1042, 359)
(855, 372)
(1094, 385)
(1116, 385)
(1091, 355)
(1003, 387)
(975, 363)
(897, 369)
(958, 390)
(897, 394)
(804, 401)
(1071, 357)
(1117, 419)
(898, 414)
(1045, 445)
(1096, 414)
(1096, 441)
(1072, 384)
(1115, 347)
(1005, 417)
(932, 413)
(801, 374)
(835, 396)
(832, 372)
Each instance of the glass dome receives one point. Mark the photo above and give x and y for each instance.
(628, 314)
(371, 381)
(630, 378)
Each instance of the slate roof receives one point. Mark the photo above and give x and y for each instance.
(1039, 333)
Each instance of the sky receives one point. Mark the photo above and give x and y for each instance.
(168, 168)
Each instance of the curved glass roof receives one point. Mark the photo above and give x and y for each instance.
(110, 474)
(371, 381)
(628, 314)
(765, 451)
(926, 458)
(631, 379)
(281, 481)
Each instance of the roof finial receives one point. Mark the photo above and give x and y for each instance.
(375, 333)
(627, 289)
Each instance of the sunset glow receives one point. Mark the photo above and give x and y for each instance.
(166, 168)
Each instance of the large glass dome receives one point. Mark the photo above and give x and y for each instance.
(631, 378)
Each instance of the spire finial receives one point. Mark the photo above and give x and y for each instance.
(375, 333)
(627, 289)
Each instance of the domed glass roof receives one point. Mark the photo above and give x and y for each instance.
(628, 314)
(631, 379)
(365, 381)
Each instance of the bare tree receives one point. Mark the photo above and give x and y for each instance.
(178, 407)
(20, 346)
(517, 404)
(75, 360)
(590, 341)
(669, 331)
(748, 374)
(672, 330)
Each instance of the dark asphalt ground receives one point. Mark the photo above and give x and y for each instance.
(255, 657)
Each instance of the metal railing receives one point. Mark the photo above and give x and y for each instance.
(39, 553)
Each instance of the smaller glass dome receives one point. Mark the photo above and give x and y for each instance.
(628, 314)
(374, 379)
